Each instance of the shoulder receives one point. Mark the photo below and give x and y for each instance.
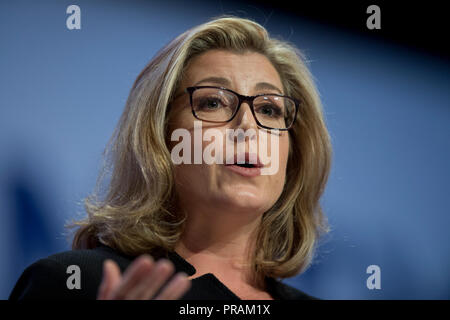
(284, 291)
(48, 278)
(89, 258)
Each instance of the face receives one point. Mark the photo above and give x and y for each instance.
(223, 187)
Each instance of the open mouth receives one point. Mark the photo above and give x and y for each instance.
(245, 165)
(248, 161)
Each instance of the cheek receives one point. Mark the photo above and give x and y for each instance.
(283, 155)
(278, 155)
(193, 175)
(284, 151)
(277, 180)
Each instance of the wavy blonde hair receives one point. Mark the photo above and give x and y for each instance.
(137, 212)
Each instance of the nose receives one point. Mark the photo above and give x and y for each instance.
(244, 118)
(244, 125)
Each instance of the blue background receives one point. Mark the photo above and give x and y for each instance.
(387, 108)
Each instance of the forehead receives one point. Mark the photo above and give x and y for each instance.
(241, 69)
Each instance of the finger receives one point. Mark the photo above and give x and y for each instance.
(175, 288)
(154, 280)
(111, 278)
(133, 276)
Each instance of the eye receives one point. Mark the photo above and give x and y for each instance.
(269, 110)
(210, 103)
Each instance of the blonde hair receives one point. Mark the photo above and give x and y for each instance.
(137, 213)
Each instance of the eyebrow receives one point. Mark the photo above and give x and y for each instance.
(226, 83)
(268, 86)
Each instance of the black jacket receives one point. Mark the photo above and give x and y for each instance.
(47, 278)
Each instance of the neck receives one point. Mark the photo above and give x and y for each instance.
(219, 242)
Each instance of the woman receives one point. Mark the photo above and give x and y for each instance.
(208, 229)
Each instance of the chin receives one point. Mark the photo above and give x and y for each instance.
(248, 201)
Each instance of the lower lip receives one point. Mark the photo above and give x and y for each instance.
(246, 172)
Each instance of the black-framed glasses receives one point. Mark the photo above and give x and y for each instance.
(217, 104)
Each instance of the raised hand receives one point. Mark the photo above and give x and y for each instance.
(142, 280)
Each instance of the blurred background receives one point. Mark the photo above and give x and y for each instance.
(386, 102)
